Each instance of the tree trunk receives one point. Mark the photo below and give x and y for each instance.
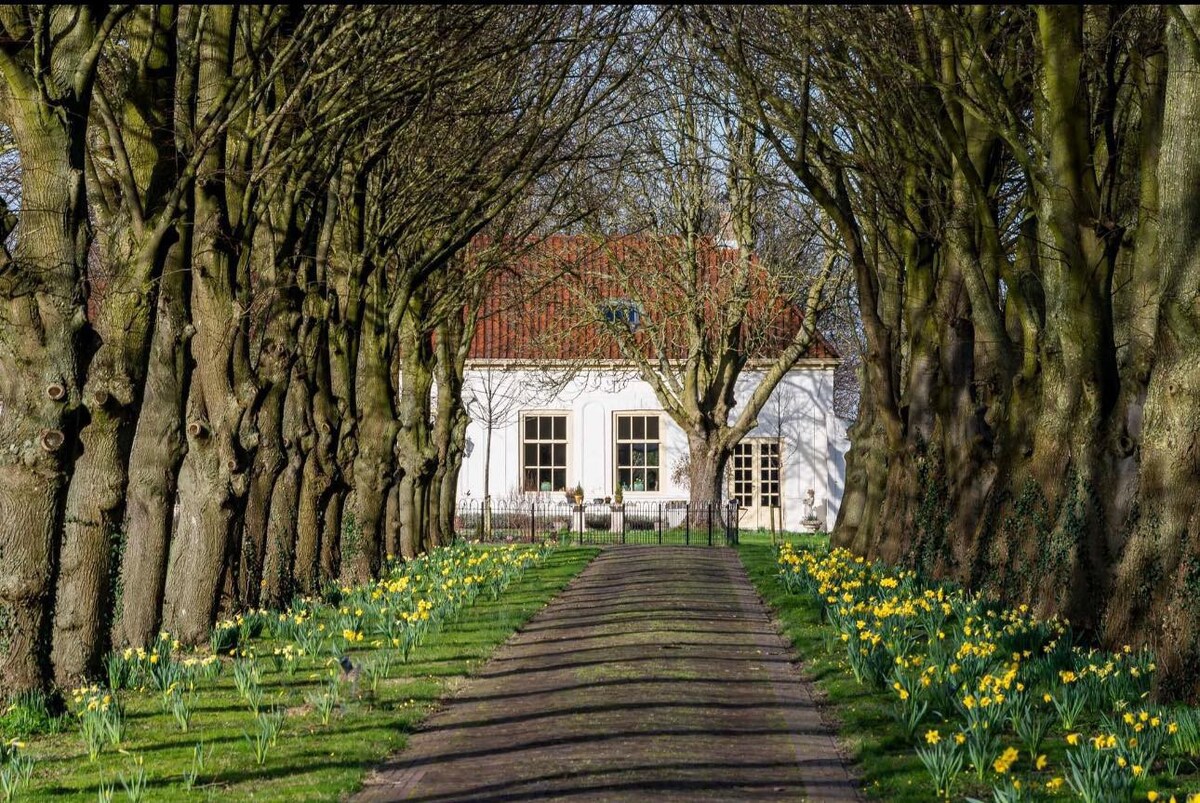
(1158, 574)
(415, 451)
(391, 524)
(362, 532)
(317, 478)
(282, 526)
(131, 252)
(1079, 381)
(320, 444)
(707, 459)
(212, 476)
(311, 526)
(331, 538)
(410, 502)
(450, 429)
(866, 479)
(96, 496)
(269, 462)
(154, 459)
(41, 313)
(448, 496)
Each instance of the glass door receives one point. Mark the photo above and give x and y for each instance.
(756, 483)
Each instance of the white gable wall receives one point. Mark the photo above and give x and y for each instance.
(798, 414)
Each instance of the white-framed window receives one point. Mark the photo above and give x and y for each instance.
(544, 444)
(638, 459)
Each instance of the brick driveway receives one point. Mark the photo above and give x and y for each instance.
(656, 674)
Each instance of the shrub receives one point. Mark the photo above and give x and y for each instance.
(598, 521)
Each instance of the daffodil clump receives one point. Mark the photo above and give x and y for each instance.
(16, 767)
(411, 600)
(101, 718)
(982, 688)
(344, 633)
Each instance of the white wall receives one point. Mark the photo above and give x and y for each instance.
(839, 445)
(798, 413)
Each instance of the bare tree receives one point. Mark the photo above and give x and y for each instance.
(491, 400)
(674, 274)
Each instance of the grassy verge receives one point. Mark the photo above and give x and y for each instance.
(889, 768)
(309, 760)
(888, 761)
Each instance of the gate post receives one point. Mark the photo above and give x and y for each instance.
(710, 512)
(532, 521)
(660, 523)
(687, 527)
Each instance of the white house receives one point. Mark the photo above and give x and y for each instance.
(548, 414)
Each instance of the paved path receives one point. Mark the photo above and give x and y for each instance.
(656, 674)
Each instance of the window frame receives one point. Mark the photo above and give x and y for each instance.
(618, 441)
(755, 479)
(568, 451)
(623, 311)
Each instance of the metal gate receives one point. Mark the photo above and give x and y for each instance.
(657, 523)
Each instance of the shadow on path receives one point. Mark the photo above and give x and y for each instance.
(657, 673)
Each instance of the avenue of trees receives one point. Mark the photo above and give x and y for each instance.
(230, 286)
(1016, 190)
(245, 251)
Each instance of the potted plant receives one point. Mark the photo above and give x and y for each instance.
(619, 497)
(578, 493)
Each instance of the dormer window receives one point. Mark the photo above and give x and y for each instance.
(622, 310)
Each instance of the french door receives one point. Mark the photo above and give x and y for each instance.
(756, 482)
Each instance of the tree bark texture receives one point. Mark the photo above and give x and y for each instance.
(42, 306)
(213, 474)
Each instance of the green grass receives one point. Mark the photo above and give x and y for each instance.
(310, 761)
(799, 540)
(884, 759)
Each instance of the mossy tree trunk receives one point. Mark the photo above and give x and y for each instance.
(47, 97)
(213, 474)
(320, 470)
(416, 453)
(1156, 580)
(374, 461)
(136, 209)
(154, 460)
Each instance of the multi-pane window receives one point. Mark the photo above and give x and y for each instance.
(756, 473)
(743, 474)
(544, 452)
(638, 452)
(768, 473)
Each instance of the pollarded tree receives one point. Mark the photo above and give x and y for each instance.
(48, 60)
(421, 205)
(992, 173)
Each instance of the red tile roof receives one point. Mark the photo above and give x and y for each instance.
(543, 304)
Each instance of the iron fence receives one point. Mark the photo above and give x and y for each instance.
(681, 523)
